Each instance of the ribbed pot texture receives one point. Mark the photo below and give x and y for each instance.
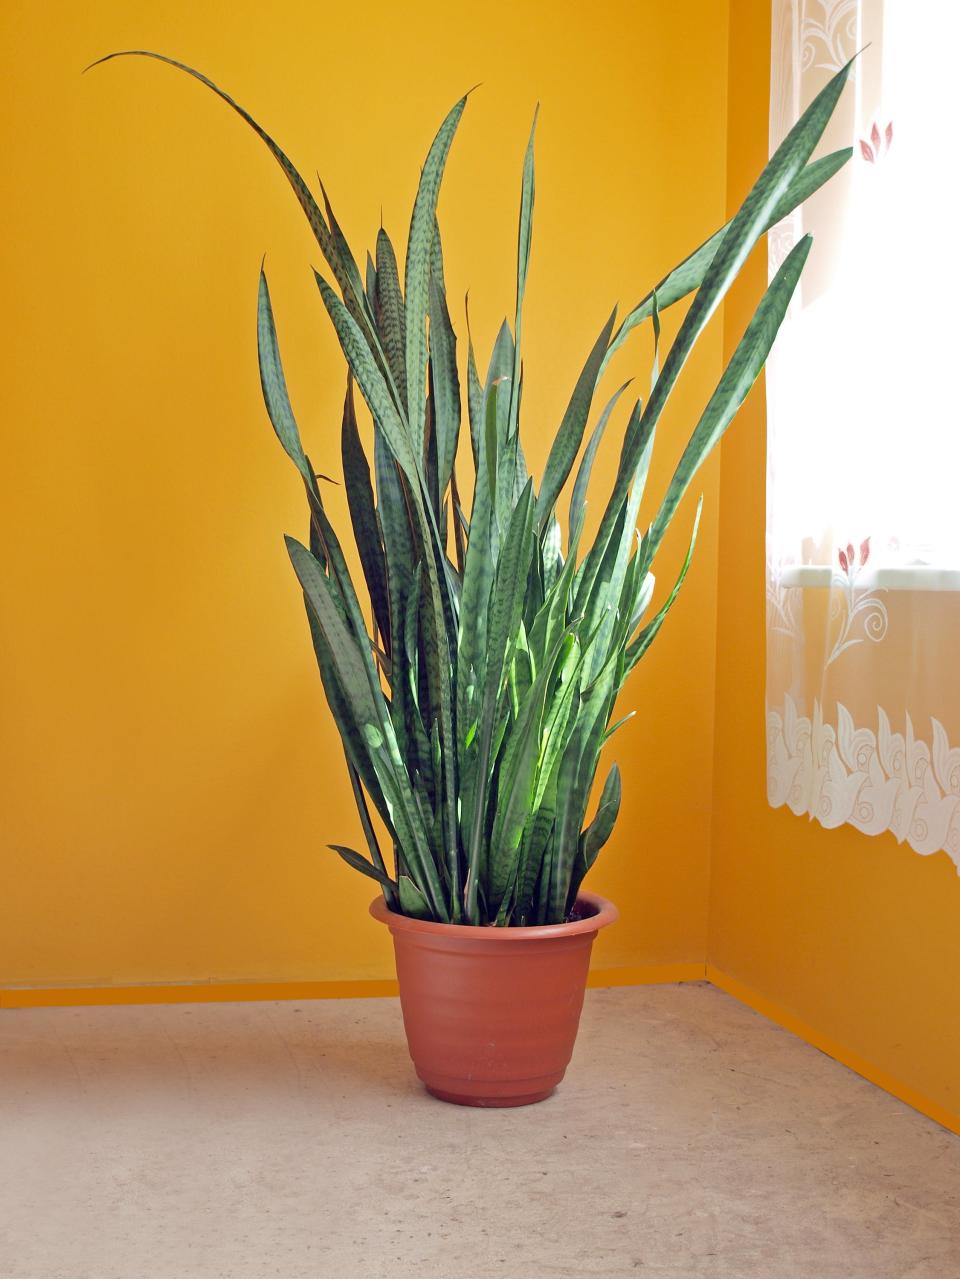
(491, 1014)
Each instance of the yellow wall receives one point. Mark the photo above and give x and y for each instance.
(852, 940)
(170, 774)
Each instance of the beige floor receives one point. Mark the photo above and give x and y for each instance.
(245, 1141)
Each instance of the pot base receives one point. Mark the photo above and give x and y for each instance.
(462, 1099)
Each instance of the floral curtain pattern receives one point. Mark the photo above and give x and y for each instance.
(863, 485)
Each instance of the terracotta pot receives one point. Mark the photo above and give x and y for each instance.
(491, 1014)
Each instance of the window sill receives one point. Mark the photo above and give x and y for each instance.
(902, 577)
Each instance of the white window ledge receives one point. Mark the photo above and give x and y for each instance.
(901, 577)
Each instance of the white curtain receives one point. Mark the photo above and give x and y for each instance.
(863, 494)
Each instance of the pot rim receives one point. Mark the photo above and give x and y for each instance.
(603, 912)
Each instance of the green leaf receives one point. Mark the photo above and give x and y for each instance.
(597, 833)
(739, 376)
(605, 610)
(753, 217)
(274, 387)
(601, 828)
(352, 662)
(346, 258)
(393, 516)
(444, 375)
(516, 785)
(391, 321)
(412, 901)
(369, 833)
(579, 494)
(474, 395)
(417, 269)
(686, 277)
(619, 516)
(577, 769)
(376, 393)
(506, 602)
(504, 460)
(552, 558)
(371, 283)
(551, 617)
(569, 437)
(354, 745)
(361, 864)
(324, 237)
(363, 695)
(366, 530)
(371, 382)
(492, 442)
(342, 590)
(624, 719)
(741, 235)
(524, 236)
(639, 646)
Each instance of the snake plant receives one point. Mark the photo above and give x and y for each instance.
(474, 701)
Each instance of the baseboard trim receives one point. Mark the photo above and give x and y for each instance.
(646, 975)
(213, 992)
(216, 992)
(860, 1065)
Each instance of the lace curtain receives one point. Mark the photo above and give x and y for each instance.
(863, 495)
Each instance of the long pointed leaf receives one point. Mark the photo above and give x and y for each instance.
(308, 203)
(361, 864)
(417, 269)
(578, 496)
(686, 277)
(569, 437)
(739, 376)
(274, 387)
(372, 716)
(524, 237)
(445, 378)
(645, 638)
(506, 601)
(390, 315)
(360, 500)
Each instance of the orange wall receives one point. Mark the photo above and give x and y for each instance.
(856, 938)
(169, 772)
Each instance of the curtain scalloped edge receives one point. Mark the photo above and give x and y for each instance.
(840, 774)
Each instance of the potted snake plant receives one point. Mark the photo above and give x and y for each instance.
(474, 703)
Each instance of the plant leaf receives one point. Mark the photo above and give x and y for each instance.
(578, 496)
(445, 378)
(738, 377)
(601, 828)
(639, 646)
(569, 437)
(417, 269)
(366, 530)
(524, 236)
(598, 832)
(318, 226)
(274, 387)
(376, 728)
(686, 277)
(390, 314)
(506, 601)
(412, 901)
(361, 864)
